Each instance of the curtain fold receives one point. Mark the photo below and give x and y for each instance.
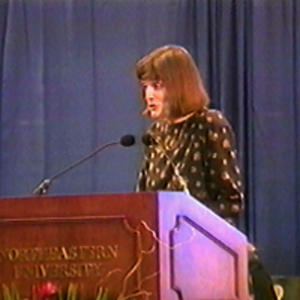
(274, 167)
(3, 28)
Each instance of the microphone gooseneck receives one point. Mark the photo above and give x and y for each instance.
(43, 187)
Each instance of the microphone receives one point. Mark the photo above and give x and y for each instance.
(43, 187)
(127, 140)
(150, 140)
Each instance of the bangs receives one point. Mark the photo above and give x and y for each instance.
(145, 70)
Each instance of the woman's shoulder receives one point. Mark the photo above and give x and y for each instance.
(212, 117)
(156, 127)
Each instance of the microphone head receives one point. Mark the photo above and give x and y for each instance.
(148, 140)
(127, 140)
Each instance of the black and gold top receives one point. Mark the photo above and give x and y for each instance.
(198, 153)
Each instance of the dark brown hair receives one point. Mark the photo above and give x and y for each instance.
(175, 67)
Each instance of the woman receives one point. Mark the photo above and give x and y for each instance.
(193, 145)
(189, 146)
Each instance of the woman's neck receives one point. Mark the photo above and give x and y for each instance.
(183, 118)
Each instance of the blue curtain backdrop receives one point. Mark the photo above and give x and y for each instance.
(67, 86)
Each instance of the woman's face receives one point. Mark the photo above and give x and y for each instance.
(154, 95)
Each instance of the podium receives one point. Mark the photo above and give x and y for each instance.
(160, 246)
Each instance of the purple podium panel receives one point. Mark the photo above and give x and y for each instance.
(207, 257)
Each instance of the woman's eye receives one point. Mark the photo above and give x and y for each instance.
(157, 85)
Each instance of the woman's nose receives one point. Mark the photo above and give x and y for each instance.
(149, 93)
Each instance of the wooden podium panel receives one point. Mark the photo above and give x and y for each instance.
(159, 246)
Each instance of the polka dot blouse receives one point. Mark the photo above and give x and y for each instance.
(198, 155)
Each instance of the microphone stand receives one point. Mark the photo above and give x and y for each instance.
(43, 187)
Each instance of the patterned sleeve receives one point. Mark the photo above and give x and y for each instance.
(141, 184)
(141, 180)
(223, 176)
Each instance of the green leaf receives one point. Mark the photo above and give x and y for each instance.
(60, 295)
(72, 291)
(15, 293)
(102, 294)
(6, 293)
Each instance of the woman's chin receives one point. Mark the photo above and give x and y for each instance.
(155, 115)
